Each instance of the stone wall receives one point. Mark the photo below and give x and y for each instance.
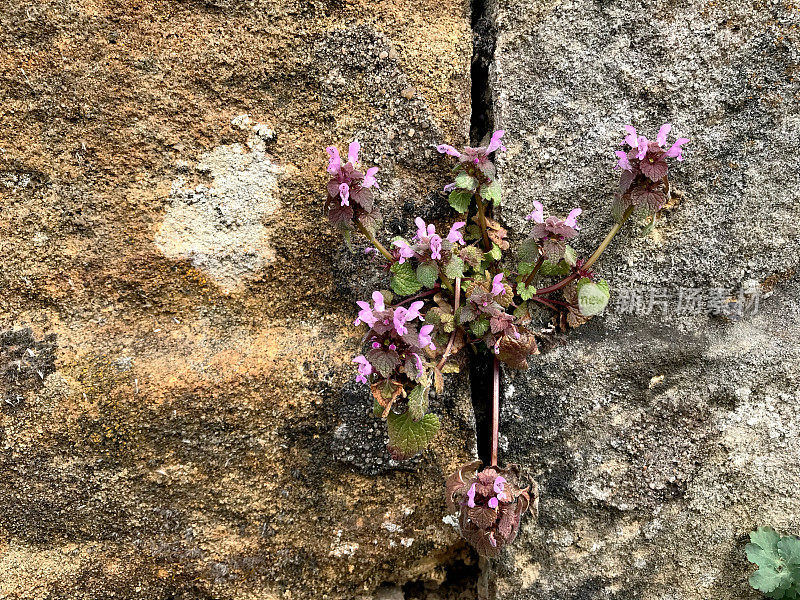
(177, 412)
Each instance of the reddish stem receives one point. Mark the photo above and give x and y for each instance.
(495, 410)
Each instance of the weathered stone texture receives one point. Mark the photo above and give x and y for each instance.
(179, 309)
(658, 440)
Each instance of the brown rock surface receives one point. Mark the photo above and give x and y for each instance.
(175, 316)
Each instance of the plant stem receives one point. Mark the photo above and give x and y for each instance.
(604, 244)
(536, 268)
(495, 409)
(371, 237)
(593, 258)
(487, 244)
(453, 334)
(420, 295)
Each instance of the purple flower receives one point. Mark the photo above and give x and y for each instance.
(494, 143)
(369, 178)
(413, 310)
(623, 162)
(364, 369)
(477, 156)
(436, 247)
(571, 220)
(675, 150)
(493, 503)
(661, 138)
(335, 163)
(352, 152)
(425, 337)
(399, 320)
(497, 285)
(449, 150)
(344, 194)
(424, 231)
(449, 187)
(418, 363)
(538, 213)
(471, 495)
(455, 235)
(367, 313)
(405, 250)
(499, 484)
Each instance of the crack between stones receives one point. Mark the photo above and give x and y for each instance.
(481, 125)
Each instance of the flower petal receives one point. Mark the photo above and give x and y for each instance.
(495, 143)
(369, 178)
(449, 150)
(352, 152)
(538, 213)
(571, 220)
(377, 298)
(335, 163)
(344, 194)
(661, 138)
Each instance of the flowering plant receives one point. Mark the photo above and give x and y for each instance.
(457, 290)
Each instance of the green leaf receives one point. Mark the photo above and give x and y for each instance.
(768, 580)
(377, 409)
(471, 255)
(592, 297)
(491, 192)
(465, 314)
(526, 292)
(570, 255)
(417, 403)
(460, 200)
(495, 253)
(767, 538)
(548, 269)
(428, 274)
(404, 282)
(525, 268)
(528, 251)
(479, 327)
(789, 550)
(408, 437)
(466, 182)
(454, 268)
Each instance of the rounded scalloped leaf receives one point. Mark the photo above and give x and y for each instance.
(592, 297)
(407, 437)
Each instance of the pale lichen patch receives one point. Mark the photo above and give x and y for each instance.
(220, 228)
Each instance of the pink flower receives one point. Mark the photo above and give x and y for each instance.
(643, 143)
(661, 138)
(499, 484)
(449, 187)
(369, 178)
(344, 194)
(425, 337)
(675, 150)
(377, 298)
(413, 310)
(335, 163)
(538, 213)
(493, 503)
(471, 496)
(497, 285)
(424, 231)
(623, 162)
(399, 320)
(572, 219)
(449, 150)
(632, 139)
(364, 369)
(367, 313)
(352, 152)
(495, 143)
(405, 250)
(455, 235)
(436, 247)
